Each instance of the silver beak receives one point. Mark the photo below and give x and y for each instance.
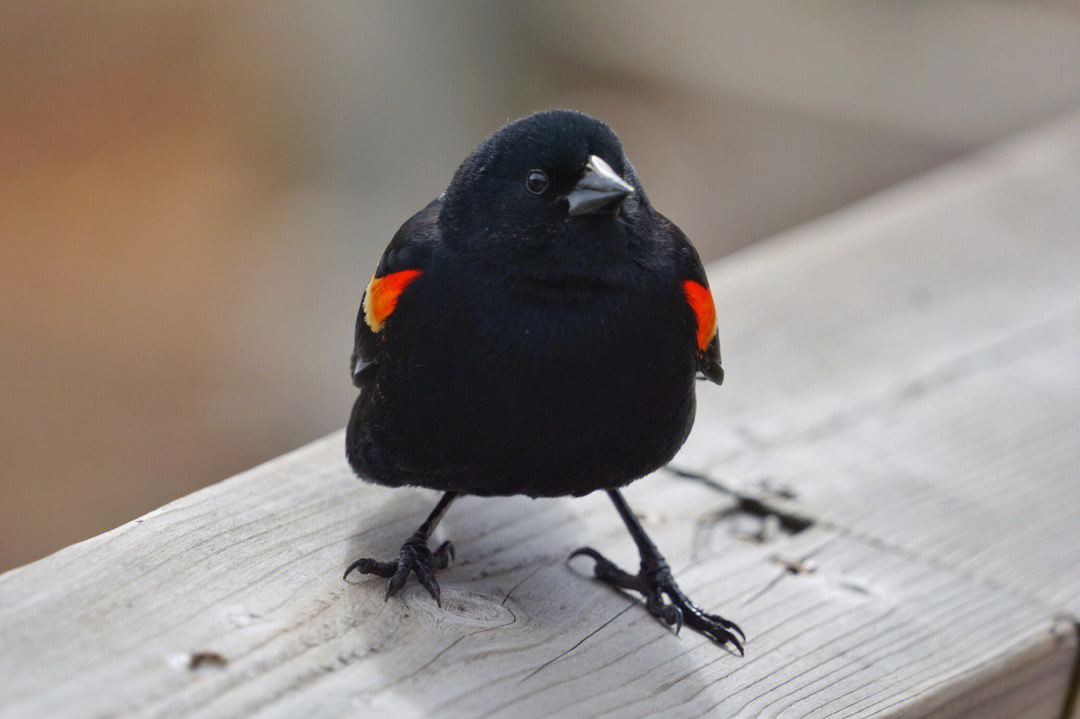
(600, 189)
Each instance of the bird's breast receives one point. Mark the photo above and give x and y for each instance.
(589, 354)
(598, 386)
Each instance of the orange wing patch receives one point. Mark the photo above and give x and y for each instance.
(382, 296)
(701, 301)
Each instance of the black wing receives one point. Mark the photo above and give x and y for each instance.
(406, 257)
(699, 296)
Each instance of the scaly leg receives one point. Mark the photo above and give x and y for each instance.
(654, 581)
(415, 557)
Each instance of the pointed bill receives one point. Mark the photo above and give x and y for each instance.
(600, 189)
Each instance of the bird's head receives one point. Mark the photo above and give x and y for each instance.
(552, 193)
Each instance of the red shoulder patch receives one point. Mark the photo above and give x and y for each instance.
(701, 302)
(382, 296)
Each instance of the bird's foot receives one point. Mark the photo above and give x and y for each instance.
(654, 582)
(415, 558)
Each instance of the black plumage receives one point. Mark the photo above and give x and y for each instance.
(534, 330)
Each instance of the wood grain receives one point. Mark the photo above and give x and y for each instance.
(883, 494)
(911, 373)
(250, 570)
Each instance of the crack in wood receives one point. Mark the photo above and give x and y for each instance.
(790, 522)
(581, 641)
(794, 522)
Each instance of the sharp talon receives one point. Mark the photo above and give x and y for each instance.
(427, 580)
(433, 589)
(655, 584)
(443, 555)
(397, 581)
(678, 619)
(731, 626)
(606, 571)
(587, 552)
(359, 565)
(371, 566)
(413, 558)
(715, 631)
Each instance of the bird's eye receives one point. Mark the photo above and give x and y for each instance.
(536, 182)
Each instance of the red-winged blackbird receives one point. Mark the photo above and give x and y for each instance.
(535, 330)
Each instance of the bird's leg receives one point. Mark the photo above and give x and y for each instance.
(654, 582)
(415, 557)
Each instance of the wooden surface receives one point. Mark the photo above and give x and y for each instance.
(911, 370)
(902, 392)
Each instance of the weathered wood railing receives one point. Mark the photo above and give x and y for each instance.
(884, 493)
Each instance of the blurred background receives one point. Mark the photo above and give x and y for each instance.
(193, 195)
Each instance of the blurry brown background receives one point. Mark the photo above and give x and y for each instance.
(192, 196)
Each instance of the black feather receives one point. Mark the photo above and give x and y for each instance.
(536, 353)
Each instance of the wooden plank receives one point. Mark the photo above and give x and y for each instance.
(908, 368)
(249, 570)
(905, 368)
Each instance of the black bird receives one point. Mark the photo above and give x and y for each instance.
(535, 330)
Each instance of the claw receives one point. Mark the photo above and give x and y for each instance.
(414, 558)
(606, 571)
(653, 582)
(678, 619)
(729, 627)
(371, 566)
(397, 581)
(727, 624)
(588, 552)
(427, 581)
(443, 555)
